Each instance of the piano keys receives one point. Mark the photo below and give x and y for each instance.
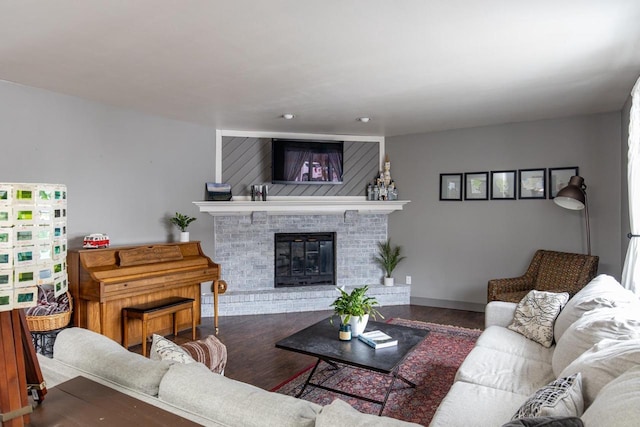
(104, 281)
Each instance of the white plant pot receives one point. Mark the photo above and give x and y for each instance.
(184, 236)
(388, 281)
(357, 325)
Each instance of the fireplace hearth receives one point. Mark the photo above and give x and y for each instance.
(305, 259)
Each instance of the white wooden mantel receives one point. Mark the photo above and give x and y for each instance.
(302, 206)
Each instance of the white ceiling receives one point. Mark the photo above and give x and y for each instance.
(411, 65)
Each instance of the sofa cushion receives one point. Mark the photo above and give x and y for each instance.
(591, 328)
(195, 388)
(209, 351)
(602, 363)
(508, 341)
(618, 403)
(561, 397)
(504, 371)
(105, 358)
(340, 413)
(164, 349)
(536, 314)
(602, 292)
(489, 407)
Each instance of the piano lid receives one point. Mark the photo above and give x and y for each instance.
(125, 263)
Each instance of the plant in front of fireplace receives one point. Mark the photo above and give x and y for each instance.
(182, 222)
(388, 257)
(355, 308)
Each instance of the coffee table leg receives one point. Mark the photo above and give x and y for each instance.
(308, 378)
(400, 377)
(395, 374)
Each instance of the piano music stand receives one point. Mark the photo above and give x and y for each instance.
(19, 369)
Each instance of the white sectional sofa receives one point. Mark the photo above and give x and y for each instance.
(597, 334)
(190, 390)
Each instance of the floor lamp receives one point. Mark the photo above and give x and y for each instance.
(574, 197)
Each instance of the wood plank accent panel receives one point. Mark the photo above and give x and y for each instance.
(247, 161)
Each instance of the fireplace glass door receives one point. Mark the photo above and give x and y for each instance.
(304, 259)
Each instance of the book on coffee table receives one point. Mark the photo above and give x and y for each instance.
(377, 339)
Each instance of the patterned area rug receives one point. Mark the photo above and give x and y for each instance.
(431, 366)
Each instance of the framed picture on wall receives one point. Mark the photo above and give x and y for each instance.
(451, 186)
(559, 178)
(475, 186)
(531, 184)
(503, 185)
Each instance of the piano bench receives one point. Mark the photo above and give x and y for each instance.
(152, 310)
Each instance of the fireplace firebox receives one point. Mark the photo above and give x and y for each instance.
(305, 259)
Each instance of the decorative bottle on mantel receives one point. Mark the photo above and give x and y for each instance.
(393, 191)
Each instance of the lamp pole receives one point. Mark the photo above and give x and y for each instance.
(586, 219)
(574, 197)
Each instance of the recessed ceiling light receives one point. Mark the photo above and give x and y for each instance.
(364, 119)
(288, 116)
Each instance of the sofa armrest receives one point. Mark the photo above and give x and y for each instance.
(499, 313)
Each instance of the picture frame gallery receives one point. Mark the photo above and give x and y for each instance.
(512, 184)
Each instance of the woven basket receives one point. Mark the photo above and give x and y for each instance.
(52, 321)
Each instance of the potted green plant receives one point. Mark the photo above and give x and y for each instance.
(388, 257)
(182, 222)
(355, 308)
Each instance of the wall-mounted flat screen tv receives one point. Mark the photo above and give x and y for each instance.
(306, 162)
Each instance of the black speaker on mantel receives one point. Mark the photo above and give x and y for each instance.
(217, 192)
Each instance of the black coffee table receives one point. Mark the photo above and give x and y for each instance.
(321, 341)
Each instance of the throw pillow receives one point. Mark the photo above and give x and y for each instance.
(602, 292)
(164, 349)
(536, 313)
(614, 323)
(602, 363)
(209, 351)
(546, 422)
(562, 397)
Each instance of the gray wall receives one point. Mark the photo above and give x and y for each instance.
(125, 172)
(454, 248)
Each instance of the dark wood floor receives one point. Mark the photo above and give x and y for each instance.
(250, 340)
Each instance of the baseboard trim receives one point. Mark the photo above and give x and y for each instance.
(441, 303)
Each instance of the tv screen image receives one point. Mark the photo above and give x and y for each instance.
(306, 162)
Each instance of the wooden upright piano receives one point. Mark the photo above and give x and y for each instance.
(103, 281)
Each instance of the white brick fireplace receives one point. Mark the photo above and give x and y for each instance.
(244, 247)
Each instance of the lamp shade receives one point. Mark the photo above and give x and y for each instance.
(572, 196)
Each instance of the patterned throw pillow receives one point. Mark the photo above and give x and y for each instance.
(164, 349)
(546, 422)
(536, 314)
(209, 351)
(562, 397)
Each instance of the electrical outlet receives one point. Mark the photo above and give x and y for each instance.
(408, 280)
